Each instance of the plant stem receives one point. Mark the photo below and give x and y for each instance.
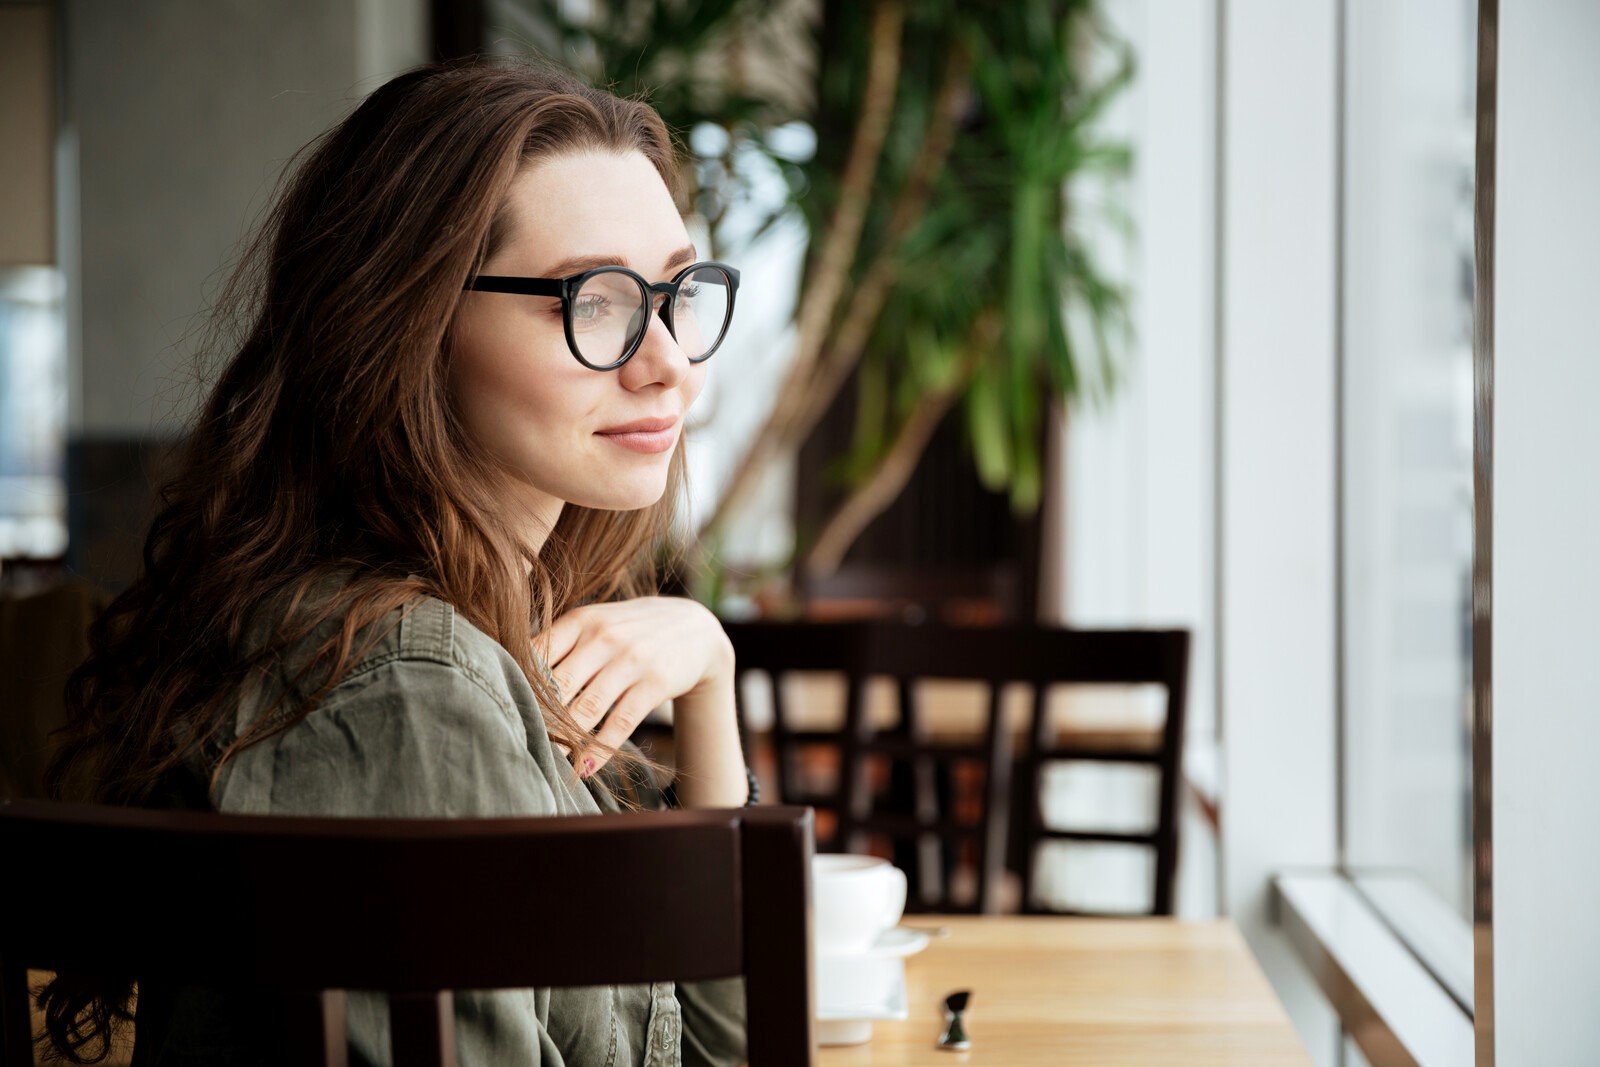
(831, 267)
(855, 329)
(873, 497)
(880, 489)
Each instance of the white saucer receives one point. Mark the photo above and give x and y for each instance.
(899, 941)
(895, 941)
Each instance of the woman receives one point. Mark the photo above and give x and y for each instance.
(405, 566)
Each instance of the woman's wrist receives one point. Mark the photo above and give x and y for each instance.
(711, 764)
(719, 674)
(669, 795)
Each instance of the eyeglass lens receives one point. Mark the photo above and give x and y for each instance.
(610, 313)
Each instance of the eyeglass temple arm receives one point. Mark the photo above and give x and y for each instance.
(497, 283)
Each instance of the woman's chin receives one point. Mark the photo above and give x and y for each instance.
(624, 499)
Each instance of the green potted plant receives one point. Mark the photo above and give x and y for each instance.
(944, 273)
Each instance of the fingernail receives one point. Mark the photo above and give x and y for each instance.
(588, 768)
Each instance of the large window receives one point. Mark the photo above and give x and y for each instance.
(1406, 452)
(33, 411)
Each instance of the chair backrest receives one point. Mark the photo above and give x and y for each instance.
(1112, 657)
(781, 648)
(1037, 656)
(412, 907)
(43, 636)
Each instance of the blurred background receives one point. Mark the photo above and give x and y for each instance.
(1124, 314)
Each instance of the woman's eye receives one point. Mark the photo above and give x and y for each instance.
(588, 309)
(687, 293)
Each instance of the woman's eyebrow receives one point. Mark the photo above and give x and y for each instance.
(578, 264)
(681, 258)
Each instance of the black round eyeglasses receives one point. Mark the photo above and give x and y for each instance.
(604, 310)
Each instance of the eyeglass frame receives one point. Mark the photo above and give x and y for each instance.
(567, 290)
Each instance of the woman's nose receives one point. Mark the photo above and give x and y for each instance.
(659, 357)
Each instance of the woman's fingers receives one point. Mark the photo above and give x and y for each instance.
(625, 717)
(554, 643)
(578, 668)
(616, 661)
(591, 704)
(570, 632)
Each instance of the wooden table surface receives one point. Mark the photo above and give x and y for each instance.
(1057, 991)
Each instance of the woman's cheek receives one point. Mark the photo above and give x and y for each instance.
(693, 382)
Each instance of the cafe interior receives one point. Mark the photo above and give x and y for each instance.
(1158, 580)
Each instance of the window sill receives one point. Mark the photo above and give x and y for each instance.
(1425, 924)
(1394, 1009)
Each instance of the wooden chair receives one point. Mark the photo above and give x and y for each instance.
(43, 636)
(1039, 657)
(412, 907)
(903, 652)
(1108, 657)
(781, 648)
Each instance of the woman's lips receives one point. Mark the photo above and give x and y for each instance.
(643, 440)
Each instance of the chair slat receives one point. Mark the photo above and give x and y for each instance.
(422, 1029)
(776, 884)
(1105, 837)
(855, 796)
(16, 1019)
(996, 812)
(929, 884)
(1062, 753)
(315, 1021)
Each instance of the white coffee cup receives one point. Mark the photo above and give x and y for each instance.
(854, 899)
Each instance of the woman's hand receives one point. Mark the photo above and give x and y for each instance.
(627, 657)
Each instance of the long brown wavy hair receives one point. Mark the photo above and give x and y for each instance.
(328, 448)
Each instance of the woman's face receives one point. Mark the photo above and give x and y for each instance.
(520, 392)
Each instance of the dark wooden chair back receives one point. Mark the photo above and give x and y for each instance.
(777, 649)
(1108, 657)
(412, 907)
(43, 636)
(1039, 657)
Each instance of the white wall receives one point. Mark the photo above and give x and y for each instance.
(1129, 514)
(183, 113)
(1203, 495)
(1276, 499)
(1546, 581)
(1136, 470)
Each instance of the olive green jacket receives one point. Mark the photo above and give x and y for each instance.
(436, 719)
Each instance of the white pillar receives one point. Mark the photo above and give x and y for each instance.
(1276, 476)
(1546, 582)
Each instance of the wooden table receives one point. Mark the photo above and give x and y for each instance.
(1056, 991)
